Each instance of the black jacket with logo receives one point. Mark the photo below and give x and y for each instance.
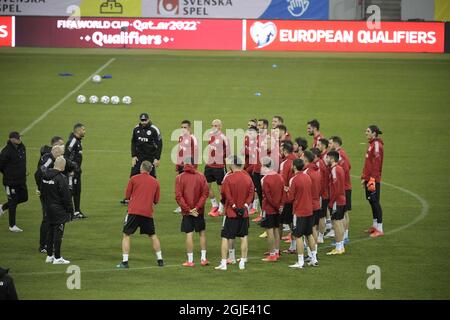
(46, 162)
(13, 164)
(74, 150)
(7, 288)
(57, 196)
(146, 142)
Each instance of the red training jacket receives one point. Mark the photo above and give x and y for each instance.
(187, 147)
(373, 164)
(300, 195)
(344, 162)
(218, 150)
(143, 193)
(313, 172)
(324, 178)
(273, 192)
(337, 186)
(286, 168)
(191, 190)
(238, 189)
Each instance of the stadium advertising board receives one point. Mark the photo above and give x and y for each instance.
(218, 34)
(221, 9)
(7, 36)
(130, 33)
(344, 36)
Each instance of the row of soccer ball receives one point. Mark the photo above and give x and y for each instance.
(105, 99)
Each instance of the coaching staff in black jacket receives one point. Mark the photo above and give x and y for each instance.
(13, 166)
(146, 145)
(58, 208)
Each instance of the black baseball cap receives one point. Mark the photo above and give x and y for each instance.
(144, 116)
(14, 135)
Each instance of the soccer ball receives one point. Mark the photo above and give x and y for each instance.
(115, 100)
(96, 78)
(126, 100)
(105, 99)
(81, 99)
(93, 99)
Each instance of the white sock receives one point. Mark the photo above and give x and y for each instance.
(190, 257)
(125, 257)
(300, 259)
(221, 207)
(223, 262)
(293, 245)
(309, 251)
(159, 255)
(203, 254)
(346, 234)
(243, 260)
(320, 236)
(340, 245)
(255, 204)
(314, 255)
(231, 254)
(380, 227)
(374, 223)
(214, 202)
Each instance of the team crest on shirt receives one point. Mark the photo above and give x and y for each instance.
(217, 141)
(149, 132)
(186, 141)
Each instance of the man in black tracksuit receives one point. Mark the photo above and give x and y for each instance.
(13, 166)
(146, 145)
(58, 208)
(74, 152)
(46, 162)
(7, 288)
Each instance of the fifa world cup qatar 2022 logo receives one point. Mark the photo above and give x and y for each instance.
(168, 7)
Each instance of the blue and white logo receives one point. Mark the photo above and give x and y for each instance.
(297, 7)
(263, 34)
(297, 10)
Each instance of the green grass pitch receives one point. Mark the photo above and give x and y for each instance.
(407, 95)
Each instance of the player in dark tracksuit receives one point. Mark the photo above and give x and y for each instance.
(74, 152)
(46, 162)
(58, 208)
(146, 145)
(13, 166)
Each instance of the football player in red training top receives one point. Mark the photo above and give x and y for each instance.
(273, 201)
(299, 193)
(337, 200)
(312, 171)
(191, 193)
(218, 150)
(287, 173)
(324, 197)
(237, 195)
(187, 148)
(344, 162)
(312, 127)
(371, 178)
(143, 194)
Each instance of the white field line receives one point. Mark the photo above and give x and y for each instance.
(60, 102)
